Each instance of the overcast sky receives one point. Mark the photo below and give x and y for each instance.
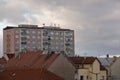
(96, 22)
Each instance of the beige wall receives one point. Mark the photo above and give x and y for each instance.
(96, 66)
(92, 71)
(8, 49)
(83, 72)
(103, 74)
(96, 70)
(63, 67)
(115, 69)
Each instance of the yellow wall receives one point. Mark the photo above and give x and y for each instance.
(103, 73)
(92, 71)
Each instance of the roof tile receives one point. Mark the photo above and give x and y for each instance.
(83, 60)
(28, 74)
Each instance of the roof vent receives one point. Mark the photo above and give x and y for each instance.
(13, 74)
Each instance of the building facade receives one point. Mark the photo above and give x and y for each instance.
(32, 37)
(108, 63)
(115, 69)
(88, 68)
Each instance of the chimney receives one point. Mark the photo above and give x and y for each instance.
(107, 55)
(114, 58)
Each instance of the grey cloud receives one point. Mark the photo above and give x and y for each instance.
(96, 22)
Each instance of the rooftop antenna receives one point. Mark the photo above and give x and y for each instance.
(43, 24)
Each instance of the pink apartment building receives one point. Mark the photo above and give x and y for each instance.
(31, 37)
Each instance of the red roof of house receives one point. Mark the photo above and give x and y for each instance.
(45, 60)
(31, 60)
(83, 60)
(28, 74)
(23, 60)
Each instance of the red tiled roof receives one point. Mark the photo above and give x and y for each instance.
(82, 60)
(31, 60)
(28, 74)
(23, 60)
(50, 59)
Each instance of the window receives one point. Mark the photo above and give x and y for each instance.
(33, 37)
(27, 31)
(39, 32)
(28, 41)
(51, 33)
(87, 77)
(38, 42)
(28, 37)
(23, 31)
(61, 33)
(38, 47)
(57, 38)
(16, 31)
(61, 38)
(57, 33)
(102, 78)
(33, 32)
(81, 77)
(16, 36)
(33, 47)
(38, 37)
(33, 42)
(23, 42)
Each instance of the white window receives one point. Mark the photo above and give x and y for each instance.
(38, 37)
(33, 47)
(57, 38)
(28, 41)
(16, 36)
(33, 32)
(38, 42)
(61, 33)
(28, 31)
(28, 47)
(51, 33)
(39, 32)
(28, 37)
(33, 37)
(56, 47)
(56, 33)
(38, 47)
(16, 31)
(33, 42)
(61, 38)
